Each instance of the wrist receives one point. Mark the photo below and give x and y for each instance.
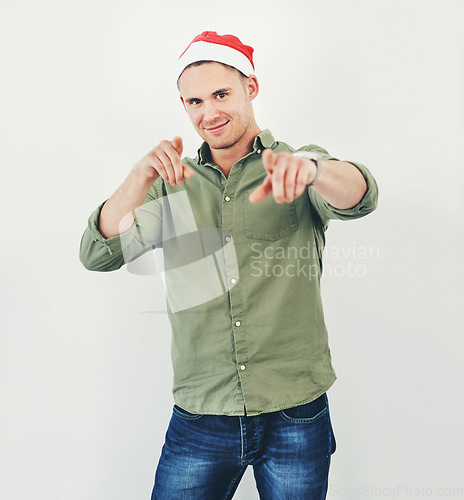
(144, 175)
(316, 159)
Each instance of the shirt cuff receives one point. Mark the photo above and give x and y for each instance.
(365, 206)
(112, 244)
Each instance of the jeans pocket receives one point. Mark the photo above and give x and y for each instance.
(180, 412)
(308, 412)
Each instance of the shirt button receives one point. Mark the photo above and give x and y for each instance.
(259, 151)
(227, 198)
(228, 238)
(242, 367)
(238, 323)
(233, 281)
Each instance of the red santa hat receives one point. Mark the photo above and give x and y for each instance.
(225, 49)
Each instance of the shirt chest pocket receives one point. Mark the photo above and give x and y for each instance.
(268, 220)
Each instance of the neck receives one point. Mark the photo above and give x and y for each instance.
(226, 158)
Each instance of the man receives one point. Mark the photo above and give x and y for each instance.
(242, 228)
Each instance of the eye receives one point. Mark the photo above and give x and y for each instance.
(221, 95)
(194, 102)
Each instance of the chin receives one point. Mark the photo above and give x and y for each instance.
(218, 144)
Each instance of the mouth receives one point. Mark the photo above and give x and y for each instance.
(217, 128)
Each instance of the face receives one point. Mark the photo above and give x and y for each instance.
(218, 102)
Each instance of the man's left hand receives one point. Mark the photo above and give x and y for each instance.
(287, 177)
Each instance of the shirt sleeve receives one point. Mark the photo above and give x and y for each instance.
(326, 211)
(98, 253)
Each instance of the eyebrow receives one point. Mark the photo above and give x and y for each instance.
(221, 91)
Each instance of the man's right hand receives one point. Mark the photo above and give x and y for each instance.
(119, 211)
(165, 160)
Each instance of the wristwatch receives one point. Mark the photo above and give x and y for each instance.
(316, 158)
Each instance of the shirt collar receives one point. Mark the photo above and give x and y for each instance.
(204, 154)
(262, 141)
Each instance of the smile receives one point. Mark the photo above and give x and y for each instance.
(218, 128)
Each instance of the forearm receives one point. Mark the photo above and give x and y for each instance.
(341, 184)
(119, 211)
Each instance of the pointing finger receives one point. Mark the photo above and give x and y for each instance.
(177, 144)
(176, 169)
(268, 158)
(261, 192)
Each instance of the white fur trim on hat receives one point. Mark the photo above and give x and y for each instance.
(206, 51)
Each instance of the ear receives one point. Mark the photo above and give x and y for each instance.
(252, 87)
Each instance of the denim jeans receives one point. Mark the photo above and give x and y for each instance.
(205, 456)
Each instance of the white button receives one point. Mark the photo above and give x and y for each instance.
(242, 367)
(238, 323)
(228, 238)
(227, 198)
(233, 281)
(259, 151)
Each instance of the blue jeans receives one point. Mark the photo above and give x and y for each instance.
(205, 456)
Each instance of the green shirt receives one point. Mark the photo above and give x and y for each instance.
(242, 283)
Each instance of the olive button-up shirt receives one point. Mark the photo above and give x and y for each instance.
(242, 283)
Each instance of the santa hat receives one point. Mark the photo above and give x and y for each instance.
(225, 49)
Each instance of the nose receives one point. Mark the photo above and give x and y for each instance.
(210, 112)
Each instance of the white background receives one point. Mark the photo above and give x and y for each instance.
(86, 89)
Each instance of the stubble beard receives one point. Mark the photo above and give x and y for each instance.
(230, 142)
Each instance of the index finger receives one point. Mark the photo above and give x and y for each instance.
(268, 158)
(177, 144)
(262, 191)
(176, 162)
